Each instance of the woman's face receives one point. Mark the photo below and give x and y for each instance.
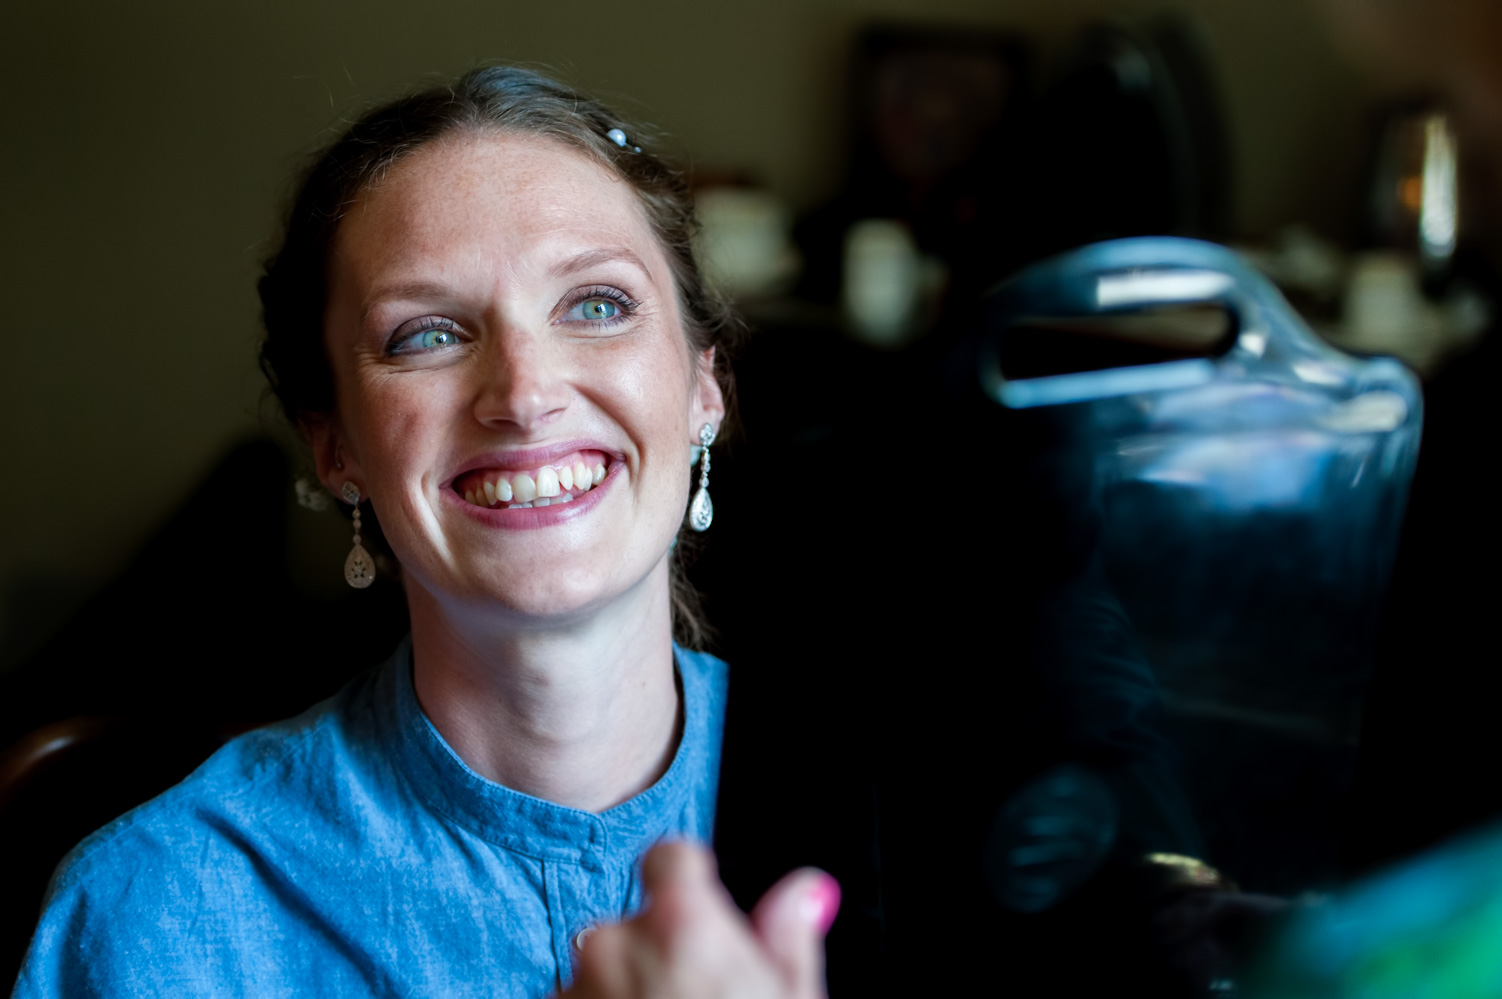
(514, 389)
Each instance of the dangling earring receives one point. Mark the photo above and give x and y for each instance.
(359, 567)
(701, 510)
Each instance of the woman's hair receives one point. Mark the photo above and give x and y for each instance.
(497, 99)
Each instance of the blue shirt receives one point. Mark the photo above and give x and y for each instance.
(350, 851)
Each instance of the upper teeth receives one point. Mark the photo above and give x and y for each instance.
(538, 488)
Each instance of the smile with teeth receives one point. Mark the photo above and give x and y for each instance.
(560, 482)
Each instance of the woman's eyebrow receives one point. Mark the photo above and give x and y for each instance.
(421, 290)
(599, 255)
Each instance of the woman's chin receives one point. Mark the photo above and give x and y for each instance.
(559, 590)
(544, 601)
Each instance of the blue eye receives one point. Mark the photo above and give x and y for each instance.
(436, 338)
(600, 306)
(430, 334)
(598, 309)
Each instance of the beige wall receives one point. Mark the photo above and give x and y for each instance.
(146, 148)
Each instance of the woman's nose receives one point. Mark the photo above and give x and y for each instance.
(523, 383)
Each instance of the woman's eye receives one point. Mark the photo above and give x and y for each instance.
(425, 338)
(601, 308)
(437, 338)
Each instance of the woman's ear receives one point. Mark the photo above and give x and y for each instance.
(709, 400)
(331, 459)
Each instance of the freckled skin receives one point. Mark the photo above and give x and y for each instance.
(476, 230)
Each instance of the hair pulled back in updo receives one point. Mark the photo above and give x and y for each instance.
(294, 286)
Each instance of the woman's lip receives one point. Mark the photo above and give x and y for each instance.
(539, 517)
(526, 459)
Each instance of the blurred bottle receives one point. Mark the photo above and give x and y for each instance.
(1403, 297)
(1414, 205)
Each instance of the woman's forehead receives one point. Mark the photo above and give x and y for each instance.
(530, 198)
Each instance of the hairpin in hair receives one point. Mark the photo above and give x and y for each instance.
(619, 138)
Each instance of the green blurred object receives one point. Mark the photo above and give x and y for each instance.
(1428, 929)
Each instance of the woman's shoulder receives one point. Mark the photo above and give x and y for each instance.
(196, 862)
(262, 780)
(701, 664)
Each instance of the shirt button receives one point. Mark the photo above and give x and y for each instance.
(581, 936)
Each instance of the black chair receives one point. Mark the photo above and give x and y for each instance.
(66, 779)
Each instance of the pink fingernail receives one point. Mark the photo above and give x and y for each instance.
(823, 902)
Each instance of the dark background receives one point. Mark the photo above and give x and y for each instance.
(155, 565)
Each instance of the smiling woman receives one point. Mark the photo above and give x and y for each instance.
(495, 112)
(500, 312)
(486, 320)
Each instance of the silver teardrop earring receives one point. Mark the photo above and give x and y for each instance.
(701, 510)
(359, 567)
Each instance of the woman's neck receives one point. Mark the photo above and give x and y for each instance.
(586, 715)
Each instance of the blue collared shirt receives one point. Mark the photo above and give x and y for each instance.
(350, 851)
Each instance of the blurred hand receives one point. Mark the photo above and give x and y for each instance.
(1204, 935)
(691, 942)
(1049, 838)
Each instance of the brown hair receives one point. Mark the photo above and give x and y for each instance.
(499, 98)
